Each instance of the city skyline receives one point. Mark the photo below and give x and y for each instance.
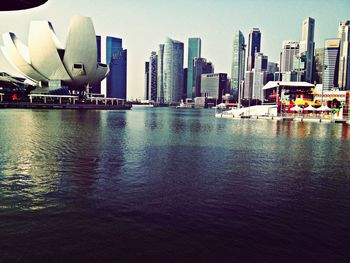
(216, 34)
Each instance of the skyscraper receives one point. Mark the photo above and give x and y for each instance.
(173, 71)
(184, 88)
(153, 75)
(319, 65)
(160, 65)
(146, 95)
(260, 74)
(331, 63)
(290, 50)
(110, 51)
(116, 57)
(253, 47)
(344, 60)
(248, 85)
(307, 46)
(113, 46)
(201, 66)
(194, 51)
(237, 68)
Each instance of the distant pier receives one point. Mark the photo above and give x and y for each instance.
(45, 101)
(69, 106)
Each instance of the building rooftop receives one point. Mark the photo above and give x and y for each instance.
(300, 84)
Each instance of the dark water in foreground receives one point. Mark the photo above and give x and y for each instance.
(166, 185)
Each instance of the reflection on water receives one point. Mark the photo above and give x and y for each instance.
(169, 183)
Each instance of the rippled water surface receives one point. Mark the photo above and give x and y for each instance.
(167, 185)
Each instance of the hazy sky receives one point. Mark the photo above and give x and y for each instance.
(143, 25)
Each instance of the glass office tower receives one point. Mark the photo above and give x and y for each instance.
(307, 46)
(173, 71)
(237, 68)
(253, 47)
(160, 68)
(146, 95)
(153, 75)
(194, 51)
(116, 57)
(331, 63)
(110, 51)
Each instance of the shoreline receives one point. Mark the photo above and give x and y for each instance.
(57, 106)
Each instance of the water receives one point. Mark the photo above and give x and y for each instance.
(167, 185)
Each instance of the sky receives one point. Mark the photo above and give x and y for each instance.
(143, 25)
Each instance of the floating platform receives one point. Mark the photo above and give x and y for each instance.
(68, 106)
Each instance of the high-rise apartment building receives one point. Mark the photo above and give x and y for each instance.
(194, 51)
(331, 63)
(307, 46)
(153, 76)
(238, 64)
(173, 71)
(344, 56)
(254, 43)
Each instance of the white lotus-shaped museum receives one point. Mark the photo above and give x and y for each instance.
(45, 59)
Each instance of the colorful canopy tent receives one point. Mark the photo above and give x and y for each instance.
(302, 102)
(324, 108)
(309, 108)
(296, 108)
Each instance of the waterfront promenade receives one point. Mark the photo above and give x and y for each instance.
(71, 103)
